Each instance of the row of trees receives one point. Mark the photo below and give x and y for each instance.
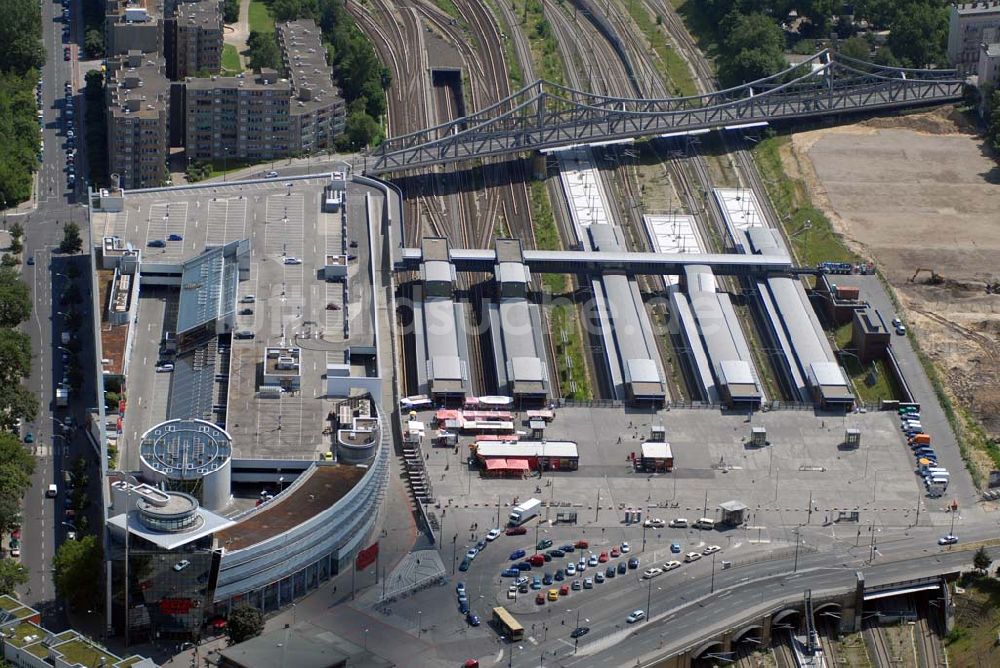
(752, 40)
(21, 54)
(231, 11)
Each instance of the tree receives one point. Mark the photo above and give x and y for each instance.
(360, 130)
(20, 34)
(73, 567)
(15, 355)
(15, 302)
(231, 11)
(244, 622)
(857, 48)
(71, 241)
(16, 401)
(12, 575)
(262, 47)
(993, 127)
(918, 36)
(93, 43)
(753, 48)
(982, 560)
(17, 230)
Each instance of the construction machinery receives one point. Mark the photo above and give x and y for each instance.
(934, 279)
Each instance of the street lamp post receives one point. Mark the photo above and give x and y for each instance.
(712, 590)
(795, 567)
(454, 552)
(418, 622)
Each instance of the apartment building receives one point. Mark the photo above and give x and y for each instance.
(196, 43)
(138, 105)
(970, 25)
(243, 117)
(317, 111)
(134, 25)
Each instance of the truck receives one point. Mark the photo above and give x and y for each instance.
(523, 512)
(62, 396)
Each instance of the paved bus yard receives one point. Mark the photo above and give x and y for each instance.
(805, 457)
(289, 306)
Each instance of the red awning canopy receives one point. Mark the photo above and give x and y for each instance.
(496, 464)
(518, 464)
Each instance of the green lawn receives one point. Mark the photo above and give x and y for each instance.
(230, 60)
(260, 17)
(669, 63)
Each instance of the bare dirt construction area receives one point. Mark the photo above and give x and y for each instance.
(919, 192)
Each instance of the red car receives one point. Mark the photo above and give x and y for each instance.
(536, 560)
(540, 599)
(615, 553)
(516, 531)
(581, 545)
(603, 558)
(564, 590)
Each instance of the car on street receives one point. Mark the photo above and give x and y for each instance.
(626, 548)
(592, 561)
(678, 523)
(651, 573)
(246, 311)
(581, 545)
(540, 599)
(553, 594)
(493, 535)
(579, 632)
(947, 540)
(464, 566)
(635, 616)
(548, 579)
(543, 544)
(588, 583)
(271, 175)
(564, 590)
(655, 523)
(181, 565)
(472, 619)
(691, 556)
(517, 554)
(29, 438)
(460, 588)
(536, 582)
(577, 585)
(671, 565)
(481, 545)
(567, 548)
(599, 578)
(471, 554)
(901, 330)
(292, 260)
(522, 580)
(537, 560)
(463, 597)
(675, 548)
(581, 565)
(175, 237)
(560, 575)
(711, 549)
(156, 243)
(556, 554)
(571, 569)
(516, 531)
(622, 568)
(523, 565)
(615, 553)
(633, 562)
(463, 607)
(31, 260)
(609, 572)
(512, 591)
(603, 558)
(896, 322)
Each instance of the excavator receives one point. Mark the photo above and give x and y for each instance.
(934, 279)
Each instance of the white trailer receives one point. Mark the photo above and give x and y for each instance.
(523, 512)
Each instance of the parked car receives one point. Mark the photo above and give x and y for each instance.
(635, 616)
(547, 580)
(156, 243)
(543, 544)
(691, 556)
(651, 573)
(603, 558)
(175, 237)
(626, 548)
(464, 566)
(567, 548)
(536, 582)
(633, 563)
(472, 619)
(711, 549)
(577, 585)
(493, 535)
(540, 599)
(516, 531)
(609, 572)
(553, 594)
(622, 568)
(581, 545)
(510, 573)
(181, 565)
(679, 523)
(517, 554)
(292, 260)
(675, 548)
(599, 578)
(671, 565)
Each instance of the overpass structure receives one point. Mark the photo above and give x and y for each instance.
(599, 262)
(545, 116)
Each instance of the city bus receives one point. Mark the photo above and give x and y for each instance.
(507, 625)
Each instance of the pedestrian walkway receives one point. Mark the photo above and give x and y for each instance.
(415, 570)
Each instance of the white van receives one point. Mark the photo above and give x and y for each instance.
(52, 491)
(704, 523)
(938, 480)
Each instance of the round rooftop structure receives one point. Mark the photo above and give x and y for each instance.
(189, 455)
(173, 512)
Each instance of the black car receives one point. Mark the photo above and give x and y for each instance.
(547, 557)
(544, 543)
(580, 631)
(567, 548)
(481, 545)
(465, 565)
(609, 572)
(556, 554)
(523, 566)
(547, 580)
(622, 568)
(560, 575)
(633, 562)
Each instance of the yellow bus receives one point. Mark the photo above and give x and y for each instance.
(507, 625)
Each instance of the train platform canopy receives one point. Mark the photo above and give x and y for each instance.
(526, 449)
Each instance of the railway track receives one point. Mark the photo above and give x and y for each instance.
(784, 656)
(878, 645)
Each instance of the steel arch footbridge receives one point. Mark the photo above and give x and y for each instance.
(544, 115)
